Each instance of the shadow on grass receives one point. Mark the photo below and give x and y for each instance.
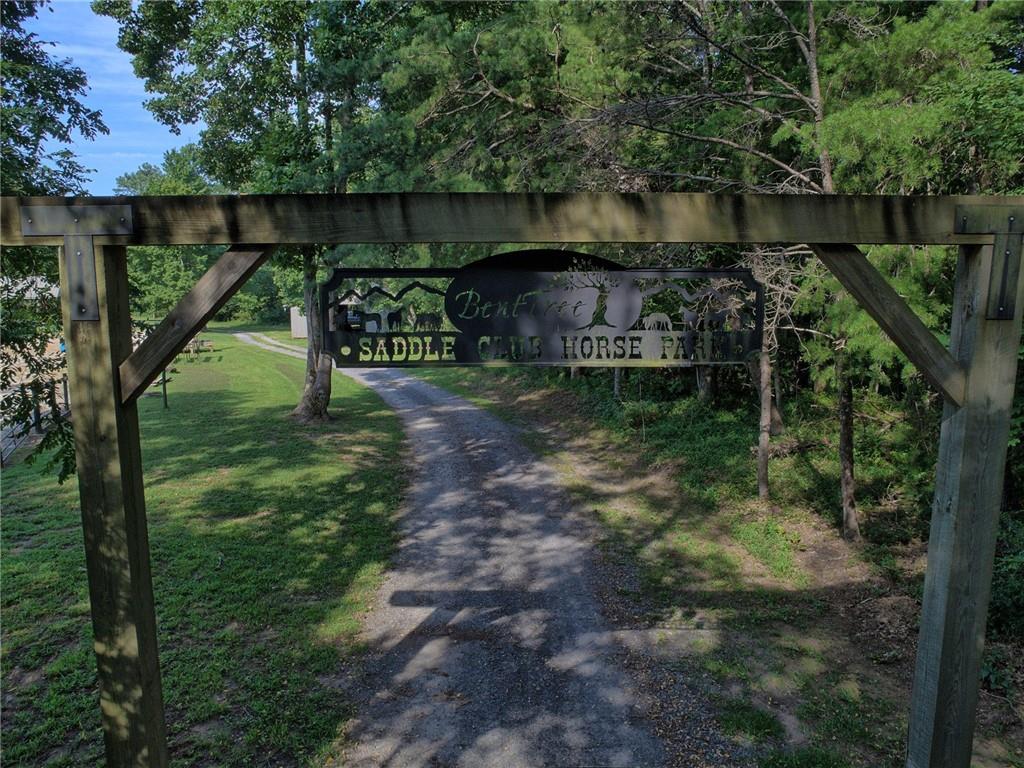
(266, 539)
(259, 556)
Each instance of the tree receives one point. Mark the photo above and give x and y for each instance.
(281, 88)
(41, 104)
(160, 275)
(951, 109)
(750, 96)
(243, 69)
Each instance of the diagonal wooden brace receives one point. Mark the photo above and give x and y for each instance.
(890, 311)
(220, 283)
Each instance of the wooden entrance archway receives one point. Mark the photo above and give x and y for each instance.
(975, 376)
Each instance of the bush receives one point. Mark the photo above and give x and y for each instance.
(1006, 610)
(641, 413)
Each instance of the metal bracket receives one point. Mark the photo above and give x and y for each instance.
(78, 224)
(1006, 222)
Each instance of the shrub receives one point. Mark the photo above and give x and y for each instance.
(1006, 610)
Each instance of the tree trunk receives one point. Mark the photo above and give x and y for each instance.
(776, 425)
(811, 55)
(302, 106)
(851, 527)
(777, 392)
(345, 116)
(703, 388)
(328, 112)
(764, 385)
(316, 393)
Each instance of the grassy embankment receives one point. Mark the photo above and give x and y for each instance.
(812, 641)
(267, 538)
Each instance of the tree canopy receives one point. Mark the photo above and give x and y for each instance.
(42, 110)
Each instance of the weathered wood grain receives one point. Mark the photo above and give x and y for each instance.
(109, 463)
(208, 295)
(525, 217)
(890, 311)
(965, 517)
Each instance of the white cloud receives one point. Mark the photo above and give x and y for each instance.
(90, 41)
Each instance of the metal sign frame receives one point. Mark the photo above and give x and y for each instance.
(638, 340)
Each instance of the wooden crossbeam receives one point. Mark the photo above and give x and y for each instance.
(900, 323)
(523, 217)
(209, 294)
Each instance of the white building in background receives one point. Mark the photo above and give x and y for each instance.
(298, 321)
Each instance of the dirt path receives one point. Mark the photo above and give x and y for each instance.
(488, 645)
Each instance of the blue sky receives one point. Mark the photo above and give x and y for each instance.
(135, 137)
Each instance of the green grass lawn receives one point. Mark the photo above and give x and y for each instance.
(268, 540)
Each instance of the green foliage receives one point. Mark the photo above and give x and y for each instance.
(804, 757)
(996, 674)
(1006, 610)
(840, 715)
(639, 413)
(42, 107)
(742, 718)
(288, 282)
(31, 367)
(950, 109)
(772, 545)
(258, 301)
(180, 173)
(923, 276)
(200, 61)
(42, 103)
(159, 276)
(913, 98)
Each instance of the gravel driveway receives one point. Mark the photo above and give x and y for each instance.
(488, 646)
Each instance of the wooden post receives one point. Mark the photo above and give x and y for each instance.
(965, 517)
(114, 520)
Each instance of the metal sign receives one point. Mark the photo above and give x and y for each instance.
(543, 307)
